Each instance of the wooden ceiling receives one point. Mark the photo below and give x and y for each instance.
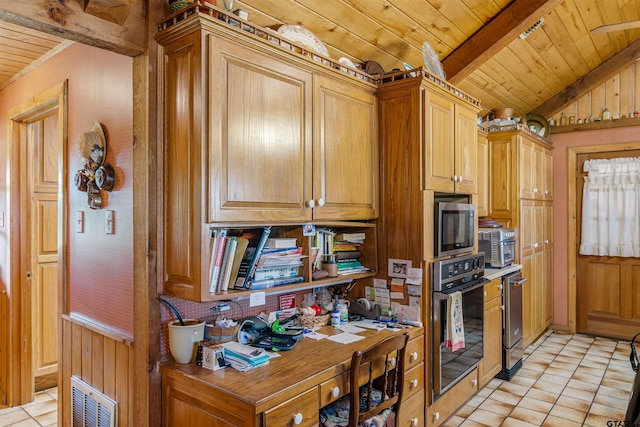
(21, 49)
(477, 41)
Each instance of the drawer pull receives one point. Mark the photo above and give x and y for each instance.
(414, 356)
(414, 422)
(414, 383)
(436, 415)
(392, 362)
(474, 382)
(297, 419)
(335, 392)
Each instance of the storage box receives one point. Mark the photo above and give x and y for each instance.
(213, 357)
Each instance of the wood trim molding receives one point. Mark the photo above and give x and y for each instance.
(572, 211)
(493, 37)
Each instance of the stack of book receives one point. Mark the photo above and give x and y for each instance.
(243, 357)
(279, 264)
(346, 248)
(234, 257)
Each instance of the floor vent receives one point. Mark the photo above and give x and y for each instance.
(91, 408)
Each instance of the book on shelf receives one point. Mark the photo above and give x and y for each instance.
(217, 255)
(241, 247)
(257, 238)
(281, 242)
(277, 272)
(348, 255)
(351, 237)
(270, 283)
(227, 263)
(280, 258)
(344, 264)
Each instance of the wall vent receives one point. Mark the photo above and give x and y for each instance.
(91, 408)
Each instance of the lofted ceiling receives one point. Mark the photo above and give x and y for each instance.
(477, 41)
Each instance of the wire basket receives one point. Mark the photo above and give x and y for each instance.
(315, 321)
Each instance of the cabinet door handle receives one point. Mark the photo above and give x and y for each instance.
(311, 203)
(460, 178)
(535, 245)
(414, 421)
(455, 178)
(546, 242)
(436, 415)
(535, 190)
(335, 392)
(474, 382)
(297, 418)
(321, 202)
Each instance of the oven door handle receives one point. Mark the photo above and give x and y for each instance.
(479, 283)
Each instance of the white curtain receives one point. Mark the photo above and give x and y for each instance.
(611, 208)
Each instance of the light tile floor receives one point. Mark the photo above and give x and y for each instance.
(43, 411)
(566, 380)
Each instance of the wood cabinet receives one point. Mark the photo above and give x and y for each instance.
(482, 175)
(453, 399)
(491, 363)
(521, 196)
(256, 134)
(450, 135)
(292, 387)
(422, 148)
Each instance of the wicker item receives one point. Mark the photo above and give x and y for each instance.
(315, 321)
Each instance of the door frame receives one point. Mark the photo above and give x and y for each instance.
(20, 387)
(572, 211)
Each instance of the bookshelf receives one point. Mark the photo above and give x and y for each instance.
(300, 147)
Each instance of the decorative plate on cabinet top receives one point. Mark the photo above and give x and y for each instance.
(538, 124)
(299, 34)
(431, 61)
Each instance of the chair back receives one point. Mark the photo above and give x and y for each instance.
(377, 369)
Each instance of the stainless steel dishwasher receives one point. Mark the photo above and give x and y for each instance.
(512, 350)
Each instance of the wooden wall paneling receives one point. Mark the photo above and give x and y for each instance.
(598, 99)
(612, 95)
(627, 89)
(97, 360)
(636, 91)
(584, 107)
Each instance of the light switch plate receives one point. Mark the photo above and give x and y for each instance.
(109, 222)
(257, 298)
(79, 221)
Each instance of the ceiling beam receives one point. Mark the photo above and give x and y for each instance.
(494, 36)
(589, 81)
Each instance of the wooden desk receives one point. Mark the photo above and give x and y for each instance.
(300, 381)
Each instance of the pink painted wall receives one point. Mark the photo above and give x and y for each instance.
(100, 265)
(562, 142)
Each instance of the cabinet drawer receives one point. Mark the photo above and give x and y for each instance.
(414, 354)
(412, 411)
(303, 408)
(493, 289)
(453, 399)
(414, 380)
(333, 389)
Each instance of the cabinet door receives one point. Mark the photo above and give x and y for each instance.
(539, 181)
(548, 263)
(482, 176)
(492, 344)
(260, 136)
(526, 168)
(502, 201)
(345, 171)
(547, 171)
(439, 142)
(465, 158)
(527, 300)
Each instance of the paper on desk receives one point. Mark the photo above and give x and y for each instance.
(315, 335)
(349, 327)
(345, 338)
(370, 324)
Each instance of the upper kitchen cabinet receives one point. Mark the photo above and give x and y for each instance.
(482, 174)
(450, 132)
(443, 120)
(258, 131)
(271, 135)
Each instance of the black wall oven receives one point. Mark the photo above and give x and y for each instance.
(464, 274)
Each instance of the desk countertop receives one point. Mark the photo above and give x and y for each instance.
(494, 273)
(306, 365)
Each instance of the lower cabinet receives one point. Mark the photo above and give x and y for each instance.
(491, 363)
(453, 399)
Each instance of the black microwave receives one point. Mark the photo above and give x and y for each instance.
(455, 228)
